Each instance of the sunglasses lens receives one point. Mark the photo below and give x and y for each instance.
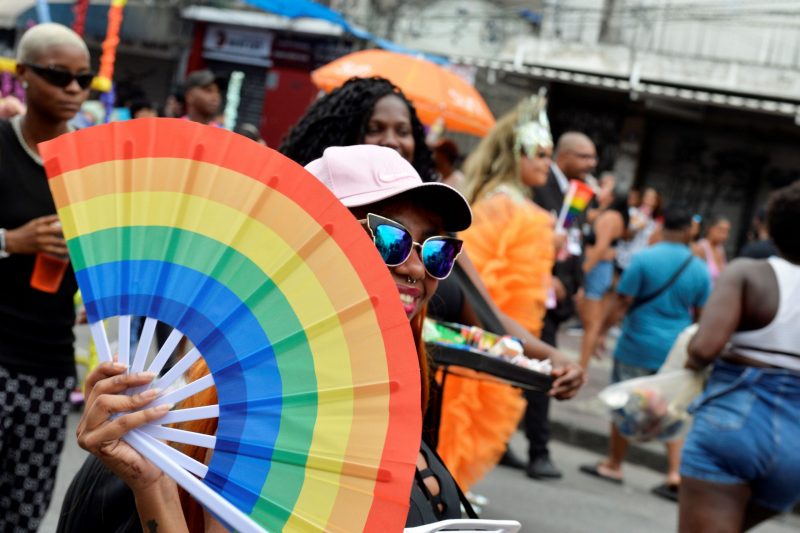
(394, 244)
(439, 255)
(62, 78)
(84, 80)
(59, 78)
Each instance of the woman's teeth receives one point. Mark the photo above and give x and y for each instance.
(407, 299)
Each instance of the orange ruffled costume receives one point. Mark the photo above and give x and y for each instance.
(511, 244)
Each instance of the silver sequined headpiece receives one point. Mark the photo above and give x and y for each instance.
(533, 127)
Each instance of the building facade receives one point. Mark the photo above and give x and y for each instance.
(699, 98)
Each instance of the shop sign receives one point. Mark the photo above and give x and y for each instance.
(237, 43)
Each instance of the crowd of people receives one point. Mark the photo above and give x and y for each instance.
(626, 262)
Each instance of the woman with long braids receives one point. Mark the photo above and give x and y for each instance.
(362, 111)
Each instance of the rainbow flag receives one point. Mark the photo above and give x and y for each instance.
(575, 202)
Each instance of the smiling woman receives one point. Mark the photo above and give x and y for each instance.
(36, 353)
(417, 212)
(409, 222)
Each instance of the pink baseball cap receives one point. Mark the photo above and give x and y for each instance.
(365, 174)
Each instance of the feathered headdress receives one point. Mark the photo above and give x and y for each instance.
(533, 127)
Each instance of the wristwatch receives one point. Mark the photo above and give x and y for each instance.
(3, 252)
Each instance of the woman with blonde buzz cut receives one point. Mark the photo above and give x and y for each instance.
(37, 359)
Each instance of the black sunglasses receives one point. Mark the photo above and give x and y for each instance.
(60, 77)
(395, 244)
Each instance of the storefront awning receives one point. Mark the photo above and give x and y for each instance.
(637, 88)
(257, 19)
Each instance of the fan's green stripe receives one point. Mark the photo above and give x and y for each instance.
(267, 303)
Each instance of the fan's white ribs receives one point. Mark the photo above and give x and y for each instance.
(187, 390)
(163, 354)
(101, 341)
(176, 457)
(177, 371)
(207, 497)
(143, 347)
(189, 414)
(124, 337)
(180, 435)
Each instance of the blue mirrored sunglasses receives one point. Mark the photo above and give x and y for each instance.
(395, 244)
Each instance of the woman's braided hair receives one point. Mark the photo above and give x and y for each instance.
(340, 119)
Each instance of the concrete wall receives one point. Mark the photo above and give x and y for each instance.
(472, 27)
(748, 46)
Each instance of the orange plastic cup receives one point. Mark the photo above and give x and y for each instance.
(48, 272)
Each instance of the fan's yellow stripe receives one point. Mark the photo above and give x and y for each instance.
(237, 194)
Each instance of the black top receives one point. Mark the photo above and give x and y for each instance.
(425, 508)
(447, 301)
(35, 327)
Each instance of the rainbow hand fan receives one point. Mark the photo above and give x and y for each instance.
(283, 296)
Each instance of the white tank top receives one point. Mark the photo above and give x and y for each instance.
(778, 343)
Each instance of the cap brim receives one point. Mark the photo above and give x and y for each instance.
(445, 200)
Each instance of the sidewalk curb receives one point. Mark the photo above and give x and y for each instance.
(598, 443)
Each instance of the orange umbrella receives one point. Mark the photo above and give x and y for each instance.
(435, 91)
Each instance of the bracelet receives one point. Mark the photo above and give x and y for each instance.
(3, 252)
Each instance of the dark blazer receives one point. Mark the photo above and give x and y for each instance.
(549, 195)
(569, 272)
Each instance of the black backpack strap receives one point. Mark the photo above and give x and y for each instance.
(670, 282)
(467, 506)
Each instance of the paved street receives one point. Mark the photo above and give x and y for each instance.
(576, 504)
(579, 503)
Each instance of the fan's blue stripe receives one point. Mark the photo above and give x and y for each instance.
(226, 333)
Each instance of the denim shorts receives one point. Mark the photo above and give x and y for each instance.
(598, 280)
(746, 430)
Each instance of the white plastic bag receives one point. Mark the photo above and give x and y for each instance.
(679, 353)
(653, 407)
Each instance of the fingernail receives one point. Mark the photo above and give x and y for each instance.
(149, 375)
(151, 393)
(165, 407)
(119, 366)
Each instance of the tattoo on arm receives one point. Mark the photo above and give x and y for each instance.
(152, 526)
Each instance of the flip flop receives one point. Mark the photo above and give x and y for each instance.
(593, 470)
(667, 491)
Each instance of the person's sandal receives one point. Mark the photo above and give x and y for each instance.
(668, 491)
(594, 470)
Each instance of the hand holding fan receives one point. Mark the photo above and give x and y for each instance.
(284, 297)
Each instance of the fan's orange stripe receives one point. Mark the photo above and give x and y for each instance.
(234, 190)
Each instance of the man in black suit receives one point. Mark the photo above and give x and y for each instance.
(575, 159)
